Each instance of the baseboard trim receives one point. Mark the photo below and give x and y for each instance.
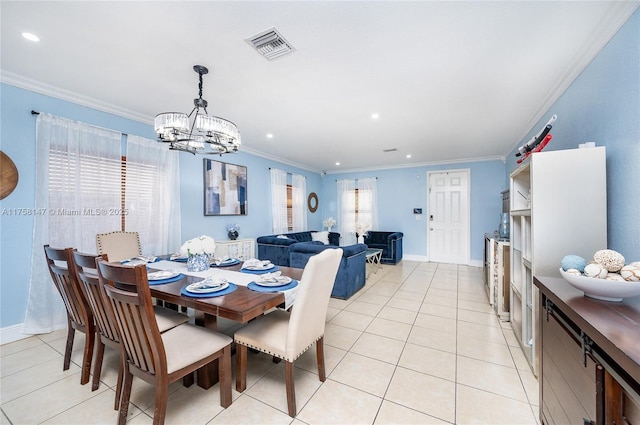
(12, 333)
(425, 259)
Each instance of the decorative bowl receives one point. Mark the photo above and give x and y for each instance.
(602, 289)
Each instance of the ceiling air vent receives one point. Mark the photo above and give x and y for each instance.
(270, 44)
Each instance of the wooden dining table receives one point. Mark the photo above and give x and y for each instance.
(241, 305)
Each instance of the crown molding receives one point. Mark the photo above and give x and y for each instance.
(619, 13)
(420, 164)
(73, 97)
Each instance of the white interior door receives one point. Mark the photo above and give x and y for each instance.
(448, 231)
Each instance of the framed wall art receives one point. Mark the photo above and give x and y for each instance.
(225, 188)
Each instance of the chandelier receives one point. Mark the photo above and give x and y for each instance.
(197, 132)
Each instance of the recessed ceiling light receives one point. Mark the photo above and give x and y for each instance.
(408, 155)
(375, 116)
(269, 136)
(30, 37)
(337, 163)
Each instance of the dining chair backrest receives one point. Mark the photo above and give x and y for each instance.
(61, 267)
(87, 274)
(119, 245)
(79, 315)
(308, 316)
(128, 291)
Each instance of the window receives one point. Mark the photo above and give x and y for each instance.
(85, 186)
(288, 202)
(357, 206)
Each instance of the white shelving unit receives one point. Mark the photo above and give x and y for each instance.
(558, 207)
(242, 249)
(496, 274)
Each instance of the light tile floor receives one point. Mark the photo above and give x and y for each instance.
(418, 344)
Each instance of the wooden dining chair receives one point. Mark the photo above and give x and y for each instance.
(156, 358)
(106, 327)
(79, 314)
(119, 245)
(287, 335)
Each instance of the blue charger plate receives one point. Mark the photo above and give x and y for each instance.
(226, 264)
(229, 289)
(255, 287)
(169, 280)
(272, 269)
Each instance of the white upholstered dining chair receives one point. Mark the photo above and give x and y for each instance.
(287, 335)
(119, 245)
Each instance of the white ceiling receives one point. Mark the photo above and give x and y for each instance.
(451, 80)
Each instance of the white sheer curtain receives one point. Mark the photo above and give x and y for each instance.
(78, 185)
(368, 202)
(279, 201)
(299, 216)
(152, 195)
(346, 208)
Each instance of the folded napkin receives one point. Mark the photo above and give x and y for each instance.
(254, 262)
(273, 277)
(139, 260)
(208, 283)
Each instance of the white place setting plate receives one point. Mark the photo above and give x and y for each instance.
(162, 274)
(263, 266)
(207, 285)
(273, 281)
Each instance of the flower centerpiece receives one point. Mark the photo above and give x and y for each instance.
(232, 231)
(198, 252)
(361, 230)
(329, 223)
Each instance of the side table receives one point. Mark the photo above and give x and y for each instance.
(373, 256)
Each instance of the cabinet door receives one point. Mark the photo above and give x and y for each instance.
(571, 391)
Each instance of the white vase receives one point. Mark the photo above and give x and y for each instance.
(198, 262)
(360, 239)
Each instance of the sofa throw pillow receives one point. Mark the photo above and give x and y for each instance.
(320, 236)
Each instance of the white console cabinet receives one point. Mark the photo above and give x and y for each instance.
(558, 207)
(242, 249)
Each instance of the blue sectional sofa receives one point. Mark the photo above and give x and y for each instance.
(351, 272)
(389, 242)
(276, 249)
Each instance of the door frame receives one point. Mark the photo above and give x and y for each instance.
(467, 225)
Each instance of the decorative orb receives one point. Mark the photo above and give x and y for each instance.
(574, 272)
(609, 259)
(573, 262)
(614, 276)
(595, 270)
(631, 272)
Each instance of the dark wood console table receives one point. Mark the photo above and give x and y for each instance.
(589, 355)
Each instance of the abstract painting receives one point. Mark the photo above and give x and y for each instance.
(225, 188)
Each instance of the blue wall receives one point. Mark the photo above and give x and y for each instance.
(258, 221)
(401, 190)
(603, 105)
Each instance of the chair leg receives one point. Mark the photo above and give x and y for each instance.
(97, 367)
(87, 356)
(291, 390)
(224, 372)
(119, 384)
(162, 398)
(125, 396)
(241, 367)
(320, 359)
(71, 333)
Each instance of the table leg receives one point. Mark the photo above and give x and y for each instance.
(207, 375)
